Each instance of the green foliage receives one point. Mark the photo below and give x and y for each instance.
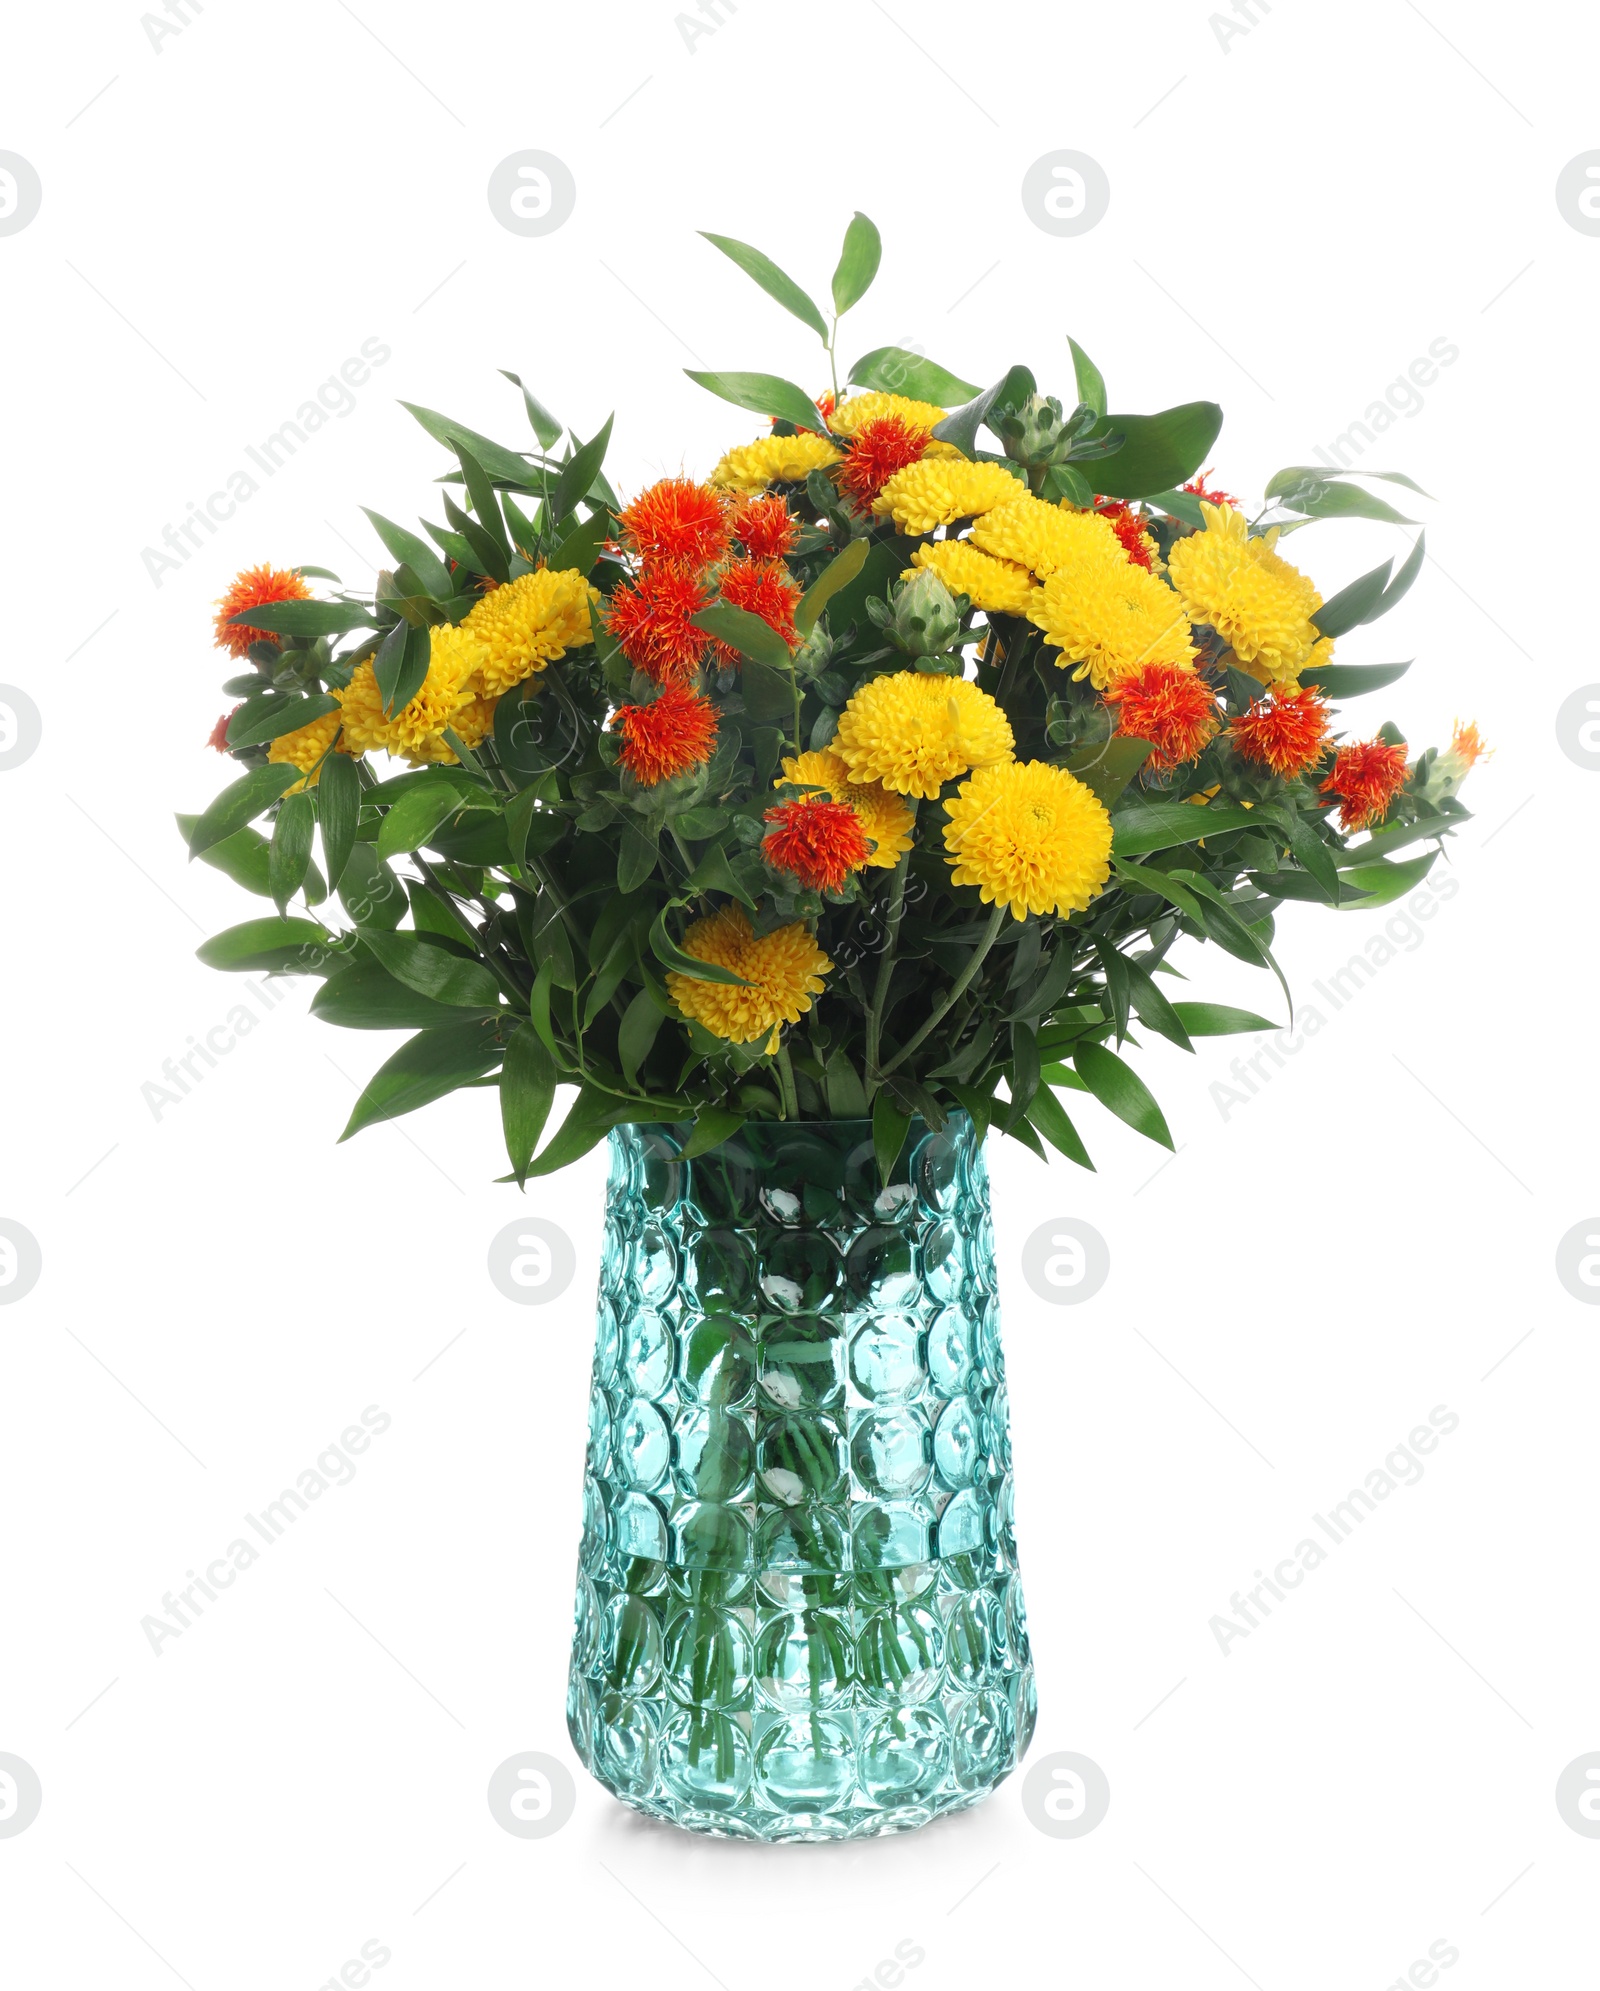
(521, 907)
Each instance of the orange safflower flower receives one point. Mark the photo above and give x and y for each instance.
(678, 520)
(765, 527)
(1173, 709)
(880, 449)
(254, 588)
(673, 733)
(1126, 523)
(816, 840)
(652, 623)
(1367, 776)
(764, 588)
(1287, 732)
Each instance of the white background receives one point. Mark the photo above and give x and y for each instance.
(1294, 218)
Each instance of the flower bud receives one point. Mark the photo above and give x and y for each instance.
(924, 618)
(1030, 434)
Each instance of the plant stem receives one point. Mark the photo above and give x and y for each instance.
(896, 910)
(833, 367)
(958, 989)
(791, 1099)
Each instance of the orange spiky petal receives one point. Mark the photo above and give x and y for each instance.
(817, 841)
(652, 622)
(764, 588)
(218, 737)
(1467, 744)
(1197, 486)
(1126, 523)
(880, 448)
(678, 520)
(673, 733)
(765, 527)
(1174, 709)
(1287, 732)
(254, 588)
(1367, 776)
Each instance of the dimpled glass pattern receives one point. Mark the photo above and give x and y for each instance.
(799, 1614)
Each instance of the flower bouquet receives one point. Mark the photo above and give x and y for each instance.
(809, 819)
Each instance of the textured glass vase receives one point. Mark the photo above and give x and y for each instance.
(799, 1614)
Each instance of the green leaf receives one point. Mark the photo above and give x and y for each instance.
(527, 1092)
(540, 420)
(1147, 826)
(889, 1129)
(365, 996)
(414, 553)
(400, 666)
(1062, 481)
(369, 891)
(842, 1087)
(840, 571)
(1351, 680)
(636, 856)
(768, 695)
(637, 1032)
(1023, 1076)
(764, 394)
(775, 282)
(439, 972)
(714, 873)
(1384, 881)
(1145, 878)
(1009, 391)
(1286, 480)
(289, 856)
(744, 632)
(297, 944)
(1158, 451)
(1110, 765)
(258, 721)
(1121, 1091)
(670, 955)
(305, 618)
(1050, 1117)
(480, 489)
(712, 1126)
(1354, 604)
(424, 1068)
(590, 1118)
(241, 857)
(508, 465)
(239, 803)
(1178, 504)
(579, 472)
(1311, 853)
(414, 818)
(858, 263)
(1152, 1007)
(1218, 1019)
(580, 549)
(893, 370)
(1091, 392)
(1400, 586)
(1314, 499)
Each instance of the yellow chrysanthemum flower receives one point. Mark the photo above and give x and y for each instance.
(1248, 592)
(885, 817)
(1030, 836)
(913, 731)
(1110, 617)
(851, 416)
(1000, 586)
(937, 492)
(1045, 537)
(773, 460)
(305, 747)
(784, 970)
(470, 721)
(454, 657)
(529, 623)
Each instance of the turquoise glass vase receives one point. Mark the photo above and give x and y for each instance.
(799, 1614)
